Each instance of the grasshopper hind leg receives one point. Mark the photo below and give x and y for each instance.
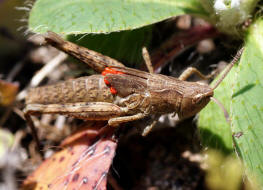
(34, 132)
(81, 110)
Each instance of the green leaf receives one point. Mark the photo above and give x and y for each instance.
(214, 130)
(247, 104)
(246, 82)
(125, 46)
(102, 16)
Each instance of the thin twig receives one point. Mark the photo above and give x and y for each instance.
(49, 67)
(16, 69)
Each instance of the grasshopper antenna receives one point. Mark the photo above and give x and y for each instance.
(222, 108)
(232, 63)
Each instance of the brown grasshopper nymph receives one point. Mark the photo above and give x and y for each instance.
(120, 94)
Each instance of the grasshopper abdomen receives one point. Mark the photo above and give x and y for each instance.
(83, 89)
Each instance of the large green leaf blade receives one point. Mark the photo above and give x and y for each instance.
(102, 16)
(214, 130)
(125, 46)
(247, 104)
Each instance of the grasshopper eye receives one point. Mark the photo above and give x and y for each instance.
(198, 99)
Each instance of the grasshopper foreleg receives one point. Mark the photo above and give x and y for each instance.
(190, 71)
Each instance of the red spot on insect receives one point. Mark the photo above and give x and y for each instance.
(109, 70)
(113, 90)
(104, 73)
(106, 81)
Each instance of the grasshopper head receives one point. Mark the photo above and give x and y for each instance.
(195, 100)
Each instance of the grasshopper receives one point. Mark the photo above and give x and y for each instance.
(119, 94)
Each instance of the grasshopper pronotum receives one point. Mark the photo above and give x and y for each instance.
(119, 94)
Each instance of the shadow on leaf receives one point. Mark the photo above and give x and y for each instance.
(243, 90)
(214, 141)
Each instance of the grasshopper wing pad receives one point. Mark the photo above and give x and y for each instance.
(127, 84)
